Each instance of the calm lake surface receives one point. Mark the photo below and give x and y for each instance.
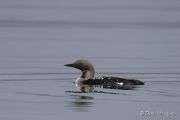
(137, 39)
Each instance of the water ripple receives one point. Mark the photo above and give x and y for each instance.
(88, 24)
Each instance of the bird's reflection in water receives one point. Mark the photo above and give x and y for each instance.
(80, 103)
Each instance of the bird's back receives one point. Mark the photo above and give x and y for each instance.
(112, 80)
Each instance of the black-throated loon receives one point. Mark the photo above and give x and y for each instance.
(87, 76)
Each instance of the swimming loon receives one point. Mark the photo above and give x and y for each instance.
(87, 76)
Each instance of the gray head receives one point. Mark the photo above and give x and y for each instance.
(85, 66)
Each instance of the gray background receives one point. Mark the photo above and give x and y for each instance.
(127, 38)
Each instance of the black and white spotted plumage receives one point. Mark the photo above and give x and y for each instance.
(108, 80)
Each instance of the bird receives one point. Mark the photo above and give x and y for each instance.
(88, 73)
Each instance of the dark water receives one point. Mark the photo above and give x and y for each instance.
(132, 39)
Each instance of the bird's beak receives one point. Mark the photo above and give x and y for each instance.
(69, 65)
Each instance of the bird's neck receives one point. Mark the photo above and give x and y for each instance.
(87, 74)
